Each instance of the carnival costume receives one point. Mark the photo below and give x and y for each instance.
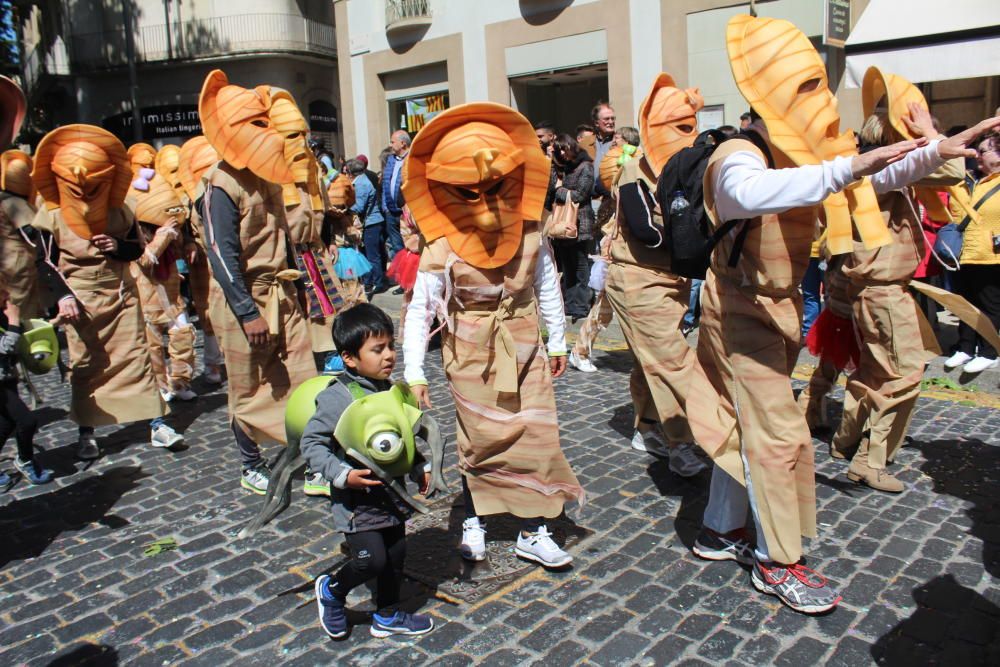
(19, 240)
(350, 264)
(475, 181)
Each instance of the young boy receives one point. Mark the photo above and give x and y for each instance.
(371, 517)
(15, 417)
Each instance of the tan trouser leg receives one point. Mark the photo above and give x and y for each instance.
(597, 320)
(181, 350)
(157, 354)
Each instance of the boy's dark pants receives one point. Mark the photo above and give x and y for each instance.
(375, 553)
(16, 417)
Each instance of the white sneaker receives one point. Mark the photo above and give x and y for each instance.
(167, 396)
(184, 394)
(473, 540)
(87, 449)
(540, 548)
(163, 436)
(957, 359)
(684, 461)
(213, 375)
(582, 364)
(650, 442)
(979, 364)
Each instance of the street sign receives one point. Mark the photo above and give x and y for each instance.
(836, 22)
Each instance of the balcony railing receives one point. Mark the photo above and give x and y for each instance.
(206, 38)
(406, 14)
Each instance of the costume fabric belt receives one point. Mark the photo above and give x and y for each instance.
(760, 290)
(272, 307)
(491, 326)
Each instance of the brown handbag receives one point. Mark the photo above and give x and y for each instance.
(561, 223)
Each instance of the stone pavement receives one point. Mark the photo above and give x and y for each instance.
(81, 583)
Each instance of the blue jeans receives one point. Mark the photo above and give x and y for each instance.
(375, 253)
(393, 235)
(811, 304)
(694, 304)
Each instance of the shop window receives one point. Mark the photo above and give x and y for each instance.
(412, 113)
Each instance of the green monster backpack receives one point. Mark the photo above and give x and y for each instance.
(38, 348)
(376, 431)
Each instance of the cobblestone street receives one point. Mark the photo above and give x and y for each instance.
(83, 582)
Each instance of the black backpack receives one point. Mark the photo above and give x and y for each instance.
(687, 234)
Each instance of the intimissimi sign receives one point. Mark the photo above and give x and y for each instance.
(174, 120)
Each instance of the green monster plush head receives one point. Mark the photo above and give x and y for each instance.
(39, 347)
(380, 428)
(301, 406)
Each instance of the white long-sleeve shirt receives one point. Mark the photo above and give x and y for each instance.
(429, 288)
(745, 188)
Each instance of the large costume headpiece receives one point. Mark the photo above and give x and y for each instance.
(892, 94)
(167, 165)
(341, 191)
(668, 120)
(613, 161)
(783, 78)
(237, 123)
(13, 106)
(474, 174)
(15, 174)
(141, 156)
(84, 171)
(158, 204)
(196, 157)
(288, 121)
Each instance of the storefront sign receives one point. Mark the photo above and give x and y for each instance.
(836, 22)
(174, 120)
(322, 116)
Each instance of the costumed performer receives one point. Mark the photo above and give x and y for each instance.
(160, 214)
(741, 407)
(195, 158)
(82, 172)
(648, 299)
(896, 340)
(18, 239)
(475, 181)
(259, 322)
(350, 265)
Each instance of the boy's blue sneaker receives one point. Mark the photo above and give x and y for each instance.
(35, 473)
(331, 609)
(401, 623)
(334, 364)
(5, 480)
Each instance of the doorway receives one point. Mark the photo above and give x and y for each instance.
(564, 97)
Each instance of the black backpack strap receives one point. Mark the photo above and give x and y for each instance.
(758, 141)
(741, 237)
(968, 218)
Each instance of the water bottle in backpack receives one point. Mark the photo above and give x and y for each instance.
(678, 203)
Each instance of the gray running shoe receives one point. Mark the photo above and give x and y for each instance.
(734, 545)
(87, 449)
(255, 479)
(802, 589)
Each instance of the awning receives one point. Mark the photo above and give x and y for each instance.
(926, 40)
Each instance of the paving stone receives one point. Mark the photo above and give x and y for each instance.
(916, 570)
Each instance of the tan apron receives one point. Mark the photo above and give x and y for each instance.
(497, 370)
(17, 255)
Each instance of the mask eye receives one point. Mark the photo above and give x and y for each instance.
(495, 188)
(385, 445)
(260, 123)
(294, 135)
(466, 193)
(685, 128)
(810, 85)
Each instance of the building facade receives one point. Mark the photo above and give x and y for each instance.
(77, 61)
(400, 60)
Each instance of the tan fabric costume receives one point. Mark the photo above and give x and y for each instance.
(17, 255)
(895, 338)
(650, 303)
(508, 441)
(740, 403)
(111, 376)
(346, 233)
(261, 379)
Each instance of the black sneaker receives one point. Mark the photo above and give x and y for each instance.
(401, 623)
(332, 616)
(734, 545)
(802, 589)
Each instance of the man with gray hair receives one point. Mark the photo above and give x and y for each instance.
(391, 195)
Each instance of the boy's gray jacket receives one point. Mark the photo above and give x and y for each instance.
(353, 510)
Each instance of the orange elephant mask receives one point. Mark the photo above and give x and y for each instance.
(474, 174)
(196, 157)
(15, 174)
(783, 78)
(237, 122)
(668, 120)
(84, 171)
